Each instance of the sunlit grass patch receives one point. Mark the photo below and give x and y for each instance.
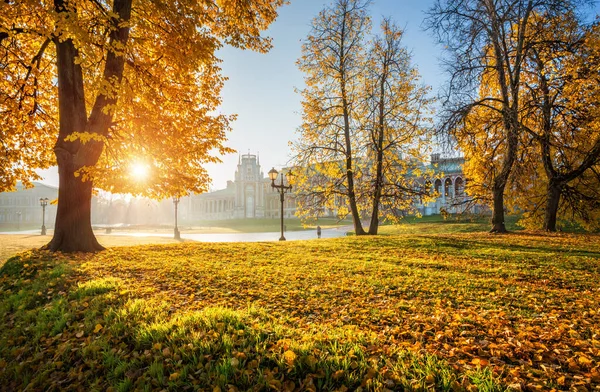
(96, 287)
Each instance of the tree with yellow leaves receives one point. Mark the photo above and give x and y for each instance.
(489, 41)
(333, 60)
(561, 116)
(108, 84)
(364, 131)
(394, 116)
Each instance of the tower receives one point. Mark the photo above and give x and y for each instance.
(249, 188)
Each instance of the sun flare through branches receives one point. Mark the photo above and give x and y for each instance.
(139, 171)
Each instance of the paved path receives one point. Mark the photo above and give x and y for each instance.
(226, 237)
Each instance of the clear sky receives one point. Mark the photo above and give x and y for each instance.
(261, 87)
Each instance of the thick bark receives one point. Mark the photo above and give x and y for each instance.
(73, 229)
(552, 203)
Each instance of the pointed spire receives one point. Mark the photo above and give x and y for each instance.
(239, 159)
(258, 157)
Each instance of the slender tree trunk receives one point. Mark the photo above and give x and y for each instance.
(498, 225)
(374, 226)
(552, 203)
(358, 229)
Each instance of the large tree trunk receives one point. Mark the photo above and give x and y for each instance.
(73, 227)
(552, 203)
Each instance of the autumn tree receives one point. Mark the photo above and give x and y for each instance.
(486, 37)
(562, 113)
(96, 86)
(333, 59)
(394, 115)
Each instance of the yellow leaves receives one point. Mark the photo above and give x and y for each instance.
(165, 102)
(85, 137)
(480, 362)
(396, 311)
(289, 357)
(97, 328)
(583, 360)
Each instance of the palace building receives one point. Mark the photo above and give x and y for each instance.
(22, 209)
(248, 196)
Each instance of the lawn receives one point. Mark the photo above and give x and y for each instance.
(11, 244)
(450, 311)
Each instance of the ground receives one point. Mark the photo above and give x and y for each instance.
(435, 307)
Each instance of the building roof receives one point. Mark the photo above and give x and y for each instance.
(227, 192)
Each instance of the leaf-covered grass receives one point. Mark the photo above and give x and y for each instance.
(397, 312)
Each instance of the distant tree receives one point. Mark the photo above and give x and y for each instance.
(394, 116)
(109, 83)
(489, 41)
(333, 60)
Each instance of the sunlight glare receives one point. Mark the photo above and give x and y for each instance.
(139, 171)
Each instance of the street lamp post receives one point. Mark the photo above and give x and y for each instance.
(44, 203)
(176, 202)
(282, 189)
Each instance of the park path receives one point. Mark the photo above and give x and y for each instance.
(225, 237)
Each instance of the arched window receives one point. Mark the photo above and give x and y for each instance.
(438, 186)
(459, 187)
(448, 187)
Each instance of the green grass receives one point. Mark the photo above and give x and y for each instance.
(436, 224)
(433, 310)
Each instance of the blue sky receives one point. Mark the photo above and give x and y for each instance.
(261, 87)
